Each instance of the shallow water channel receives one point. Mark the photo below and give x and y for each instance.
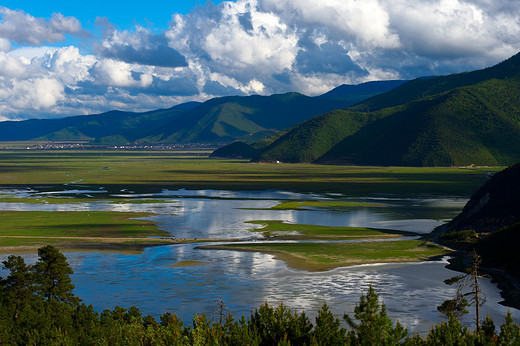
(245, 280)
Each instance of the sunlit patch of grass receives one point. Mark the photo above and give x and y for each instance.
(326, 256)
(295, 205)
(76, 224)
(171, 170)
(281, 230)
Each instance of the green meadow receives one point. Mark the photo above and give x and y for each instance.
(281, 230)
(76, 224)
(295, 205)
(149, 170)
(330, 255)
(333, 253)
(98, 230)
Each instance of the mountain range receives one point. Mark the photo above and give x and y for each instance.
(453, 120)
(217, 120)
(460, 119)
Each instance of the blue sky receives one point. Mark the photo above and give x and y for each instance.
(123, 13)
(60, 58)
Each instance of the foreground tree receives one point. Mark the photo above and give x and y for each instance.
(53, 276)
(374, 326)
(18, 288)
(509, 332)
(328, 329)
(457, 306)
(277, 325)
(35, 310)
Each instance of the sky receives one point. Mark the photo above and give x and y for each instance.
(61, 58)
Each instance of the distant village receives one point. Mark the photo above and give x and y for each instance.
(87, 146)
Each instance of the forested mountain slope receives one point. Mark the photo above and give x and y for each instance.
(473, 119)
(425, 87)
(126, 125)
(470, 125)
(229, 118)
(490, 223)
(222, 119)
(314, 137)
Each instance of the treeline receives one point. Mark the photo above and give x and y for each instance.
(37, 306)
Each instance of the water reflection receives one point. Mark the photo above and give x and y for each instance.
(245, 280)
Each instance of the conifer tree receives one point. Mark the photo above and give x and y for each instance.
(374, 326)
(53, 276)
(457, 306)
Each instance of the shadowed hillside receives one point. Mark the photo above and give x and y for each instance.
(462, 119)
(105, 127)
(470, 125)
(314, 137)
(229, 118)
(248, 118)
(490, 223)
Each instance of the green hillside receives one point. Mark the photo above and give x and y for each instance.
(314, 137)
(229, 118)
(225, 119)
(470, 125)
(424, 87)
(125, 126)
(462, 119)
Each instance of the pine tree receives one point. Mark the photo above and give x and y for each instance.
(328, 329)
(457, 306)
(374, 327)
(53, 276)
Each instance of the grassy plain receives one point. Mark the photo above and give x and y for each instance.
(25, 230)
(299, 205)
(147, 171)
(281, 230)
(326, 256)
(153, 170)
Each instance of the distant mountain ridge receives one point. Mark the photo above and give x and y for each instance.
(460, 119)
(358, 93)
(217, 120)
(101, 127)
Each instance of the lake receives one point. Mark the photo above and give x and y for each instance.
(245, 280)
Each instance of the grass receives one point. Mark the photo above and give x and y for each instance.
(142, 171)
(77, 224)
(9, 245)
(94, 230)
(82, 230)
(145, 171)
(327, 256)
(295, 205)
(77, 199)
(281, 230)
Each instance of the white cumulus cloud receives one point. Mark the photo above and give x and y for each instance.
(23, 28)
(244, 47)
(455, 28)
(36, 93)
(366, 23)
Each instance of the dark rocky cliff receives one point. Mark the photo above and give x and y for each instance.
(494, 206)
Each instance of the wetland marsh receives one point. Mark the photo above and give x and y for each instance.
(182, 279)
